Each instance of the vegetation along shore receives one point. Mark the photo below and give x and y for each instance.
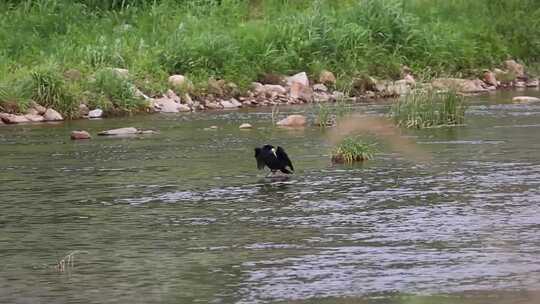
(72, 59)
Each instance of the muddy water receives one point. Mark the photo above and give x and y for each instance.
(184, 216)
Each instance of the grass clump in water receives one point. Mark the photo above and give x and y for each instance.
(424, 109)
(353, 149)
(328, 115)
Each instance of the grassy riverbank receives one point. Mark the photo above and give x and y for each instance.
(241, 40)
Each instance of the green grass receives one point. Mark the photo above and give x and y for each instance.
(353, 149)
(240, 40)
(423, 109)
(329, 114)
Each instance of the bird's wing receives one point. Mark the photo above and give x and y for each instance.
(258, 156)
(280, 153)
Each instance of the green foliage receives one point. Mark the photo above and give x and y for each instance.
(353, 149)
(113, 92)
(329, 114)
(429, 109)
(239, 40)
(47, 88)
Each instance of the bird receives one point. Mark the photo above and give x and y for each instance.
(275, 159)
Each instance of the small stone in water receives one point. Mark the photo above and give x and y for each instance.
(246, 126)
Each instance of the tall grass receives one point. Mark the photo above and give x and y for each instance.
(423, 109)
(239, 40)
(353, 149)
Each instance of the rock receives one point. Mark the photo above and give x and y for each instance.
(52, 115)
(489, 78)
(271, 78)
(12, 118)
(257, 88)
(32, 111)
(184, 108)
(525, 99)
(216, 87)
(83, 110)
(532, 83)
(338, 95)
(504, 77)
(230, 104)
(177, 81)
(293, 121)
(300, 78)
(405, 70)
(167, 105)
(172, 95)
(245, 126)
(363, 84)
(393, 88)
(187, 99)
(97, 113)
(269, 89)
(78, 135)
(409, 80)
(322, 97)
(520, 84)
(300, 91)
(34, 117)
(327, 77)
(213, 105)
(211, 128)
(513, 67)
(320, 88)
(120, 131)
(40, 109)
(123, 73)
(456, 84)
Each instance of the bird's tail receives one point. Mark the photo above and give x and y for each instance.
(285, 171)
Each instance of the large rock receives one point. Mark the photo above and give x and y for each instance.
(457, 84)
(177, 81)
(97, 113)
(515, 68)
(120, 131)
(301, 91)
(78, 135)
(167, 105)
(34, 117)
(490, 78)
(270, 89)
(230, 104)
(52, 115)
(327, 77)
(13, 119)
(300, 78)
(293, 121)
(525, 99)
(39, 108)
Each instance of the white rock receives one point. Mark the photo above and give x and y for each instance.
(52, 115)
(13, 119)
(274, 88)
(245, 126)
(34, 117)
(172, 95)
(298, 78)
(230, 104)
(166, 105)
(120, 131)
(39, 108)
(177, 81)
(525, 99)
(293, 121)
(183, 108)
(97, 113)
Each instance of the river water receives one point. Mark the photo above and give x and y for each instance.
(183, 216)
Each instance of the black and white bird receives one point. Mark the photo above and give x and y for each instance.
(275, 159)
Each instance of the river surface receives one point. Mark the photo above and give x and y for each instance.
(183, 216)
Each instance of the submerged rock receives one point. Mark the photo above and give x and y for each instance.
(78, 135)
(13, 119)
(52, 115)
(293, 121)
(122, 131)
(245, 126)
(525, 99)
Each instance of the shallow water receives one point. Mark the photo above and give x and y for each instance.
(184, 216)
